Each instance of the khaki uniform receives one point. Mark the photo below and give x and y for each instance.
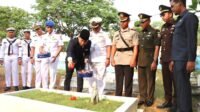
(131, 38)
(122, 59)
(148, 39)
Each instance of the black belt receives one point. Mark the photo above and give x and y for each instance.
(125, 49)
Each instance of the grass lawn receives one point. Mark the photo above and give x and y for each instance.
(82, 103)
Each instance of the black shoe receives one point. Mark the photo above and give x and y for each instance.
(165, 105)
(149, 103)
(24, 88)
(7, 89)
(16, 88)
(141, 103)
(28, 87)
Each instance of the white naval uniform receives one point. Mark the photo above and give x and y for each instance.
(41, 64)
(11, 59)
(54, 41)
(26, 68)
(98, 53)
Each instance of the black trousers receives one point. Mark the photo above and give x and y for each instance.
(183, 87)
(168, 83)
(68, 77)
(124, 72)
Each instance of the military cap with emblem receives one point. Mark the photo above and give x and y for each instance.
(37, 25)
(27, 31)
(95, 22)
(123, 16)
(144, 17)
(10, 29)
(164, 9)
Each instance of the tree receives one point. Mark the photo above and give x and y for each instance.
(194, 5)
(13, 17)
(71, 16)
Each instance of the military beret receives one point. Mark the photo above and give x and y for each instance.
(143, 17)
(164, 9)
(95, 21)
(123, 16)
(10, 29)
(50, 23)
(84, 34)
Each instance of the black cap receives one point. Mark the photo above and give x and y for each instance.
(84, 34)
(143, 17)
(164, 9)
(123, 16)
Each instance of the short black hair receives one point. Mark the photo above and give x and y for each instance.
(180, 1)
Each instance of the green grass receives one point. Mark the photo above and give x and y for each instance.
(159, 92)
(82, 103)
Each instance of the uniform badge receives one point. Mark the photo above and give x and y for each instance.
(141, 16)
(53, 38)
(159, 35)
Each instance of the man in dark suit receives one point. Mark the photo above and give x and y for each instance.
(184, 46)
(78, 52)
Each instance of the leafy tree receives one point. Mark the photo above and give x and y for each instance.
(71, 16)
(194, 5)
(13, 17)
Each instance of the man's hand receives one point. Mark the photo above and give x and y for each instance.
(107, 62)
(1, 62)
(190, 67)
(133, 63)
(153, 66)
(20, 61)
(171, 66)
(71, 65)
(32, 61)
(113, 62)
(53, 59)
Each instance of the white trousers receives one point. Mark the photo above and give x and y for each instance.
(53, 72)
(11, 70)
(41, 69)
(26, 71)
(99, 71)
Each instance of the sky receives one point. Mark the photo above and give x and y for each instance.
(133, 7)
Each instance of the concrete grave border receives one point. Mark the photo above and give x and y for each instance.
(16, 104)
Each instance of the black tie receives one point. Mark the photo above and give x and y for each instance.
(28, 47)
(10, 45)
